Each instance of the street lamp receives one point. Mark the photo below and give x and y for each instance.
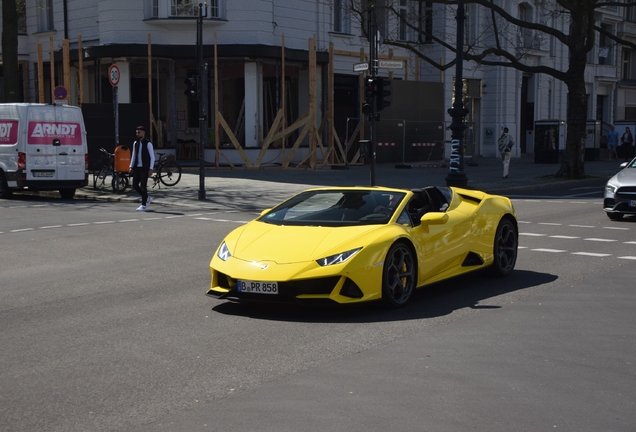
(203, 99)
(456, 175)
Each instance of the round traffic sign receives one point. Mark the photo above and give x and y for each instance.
(60, 92)
(113, 75)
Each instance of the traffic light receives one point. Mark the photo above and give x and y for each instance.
(382, 93)
(369, 93)
(191, 88)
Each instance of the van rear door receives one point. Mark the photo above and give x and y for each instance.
(55, 143)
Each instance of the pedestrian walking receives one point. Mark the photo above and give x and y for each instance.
(627, 142)
(506, 143)
(612, 143)
(142, 160)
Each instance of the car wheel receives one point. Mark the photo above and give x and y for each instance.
(615, 216)
(505, 248)
(399, 276)
(5, 192)
(67, 193)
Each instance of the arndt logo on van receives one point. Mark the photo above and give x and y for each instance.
(8, 132)
(46, 132)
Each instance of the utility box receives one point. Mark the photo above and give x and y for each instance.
(592, 140)
(121, 161)
(549, 141)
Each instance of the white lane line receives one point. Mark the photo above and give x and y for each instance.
(197, 214)
(627, 257)
(600, 240)
(20, 230)
(616, 228)
(103, 222)
(524, 222)
(630, 242)
(222, 220)
(578, 202)
(153, 218)
(582, 226)
(591, 254)
(549, 250)
(564, 237)
(532, 234)
(51, 226)
(77, 224)
(550, 223)
(128, 220)
(174, 217)
(522, 247)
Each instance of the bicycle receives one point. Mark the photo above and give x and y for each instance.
(167, 171)
(119, 181)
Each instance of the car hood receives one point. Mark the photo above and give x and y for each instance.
(259, 241)
(626, 177)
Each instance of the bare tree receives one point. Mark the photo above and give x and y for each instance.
(10, 51)
(572, 23)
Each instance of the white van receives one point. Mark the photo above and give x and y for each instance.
(42, 147)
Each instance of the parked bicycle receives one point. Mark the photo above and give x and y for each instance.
(119, 180)
(167, 171)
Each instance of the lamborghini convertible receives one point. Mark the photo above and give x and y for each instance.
(356, 244)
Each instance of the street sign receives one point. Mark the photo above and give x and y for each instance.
(113, 75)
(60, 92)
(360, 67)
(392, 64)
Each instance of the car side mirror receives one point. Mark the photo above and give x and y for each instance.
(434, 218)
(624, 164)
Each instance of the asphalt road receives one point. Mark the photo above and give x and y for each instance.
(105, 327)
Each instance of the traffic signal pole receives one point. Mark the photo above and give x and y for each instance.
(203, 100)
(373, 60)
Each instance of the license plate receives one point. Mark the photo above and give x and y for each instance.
(246, 286)
(43, 174)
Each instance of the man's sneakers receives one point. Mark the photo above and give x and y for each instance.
(145, 207)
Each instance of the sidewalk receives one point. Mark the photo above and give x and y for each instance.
(257, 189)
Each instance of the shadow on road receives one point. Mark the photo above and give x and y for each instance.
(433, 301)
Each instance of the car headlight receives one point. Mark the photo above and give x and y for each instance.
(338, 258)
(224, 252)
(611, 188)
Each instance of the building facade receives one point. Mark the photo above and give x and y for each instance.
(262, 55)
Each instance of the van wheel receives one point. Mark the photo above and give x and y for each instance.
(67, 193)
(5, 192)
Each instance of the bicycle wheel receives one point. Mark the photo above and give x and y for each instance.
(120, 182)
(100, 179)
(169, 173)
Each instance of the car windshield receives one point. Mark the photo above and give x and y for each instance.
(335, 208)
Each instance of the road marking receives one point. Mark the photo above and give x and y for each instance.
(152, 218)
(78, 224)
(173, 217)
(564, 237)
(20, 230)
(532, 234)
(591, 254)
(550, 223)
(51, 226)
(630, 242)
(549, 250)
(524, 222)
(616, 228)
(582, 226)
(103, 222)
(627, 257)
(129, 220)
(600, 240)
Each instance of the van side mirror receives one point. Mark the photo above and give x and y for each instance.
(56, 142)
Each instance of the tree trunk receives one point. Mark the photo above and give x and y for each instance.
(10, 68)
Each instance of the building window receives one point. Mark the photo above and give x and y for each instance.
(527, 38)
(181, 8)
(605, 46)
(471, 24)
(341, 17)
(407, 16)
(629, 68)
(45, 15)
(425, 22)
(630, 13)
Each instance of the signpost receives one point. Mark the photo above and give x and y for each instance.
(392, 64)
(360, 67)
(60, 93)
(113, 76)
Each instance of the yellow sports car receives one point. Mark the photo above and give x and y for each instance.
(357, 244)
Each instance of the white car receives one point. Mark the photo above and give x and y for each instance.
(620, 192)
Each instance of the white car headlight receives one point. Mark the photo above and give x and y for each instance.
(224, 252)
(338, 258)
(611, 188)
